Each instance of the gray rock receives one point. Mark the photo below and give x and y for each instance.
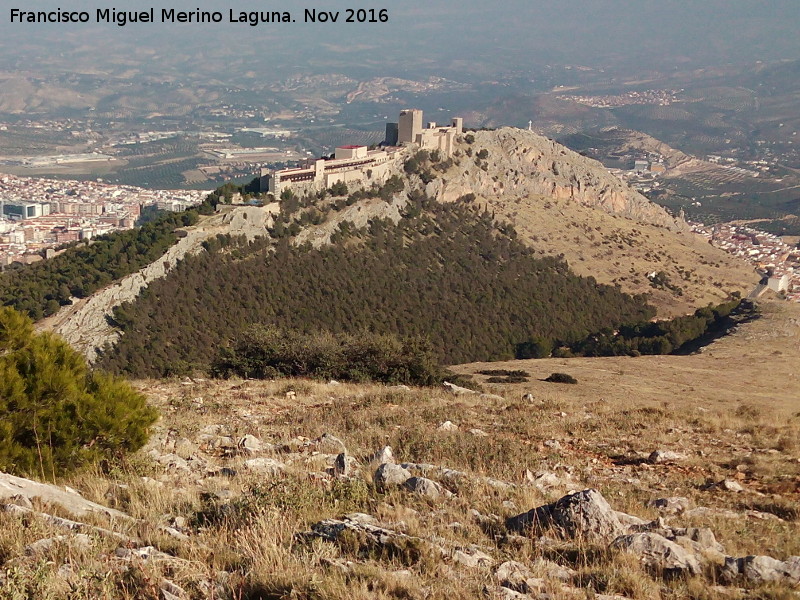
(671, 506)
(658, 553)
(330, 444)
(426, 487)
(268, 466)
(458, 390)
(583, 515)
(250, 444)
(658, 457)
(762, 569)
(185, 448)
(384, 455)
(447, 426)
(390, 474)
(19, 488)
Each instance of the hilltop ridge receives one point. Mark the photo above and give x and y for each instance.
(522, 163)
(563, 203)
(559, 203)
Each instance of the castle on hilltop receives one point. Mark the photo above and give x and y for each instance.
(358, 166)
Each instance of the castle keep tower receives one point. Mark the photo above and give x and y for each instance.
(409, 126)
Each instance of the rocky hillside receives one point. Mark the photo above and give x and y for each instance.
(559, 202)
(85, 323)
(521, 164)
(325, 491)
(563, 203)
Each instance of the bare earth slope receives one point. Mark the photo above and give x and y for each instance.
(563, 203)
(756, 365)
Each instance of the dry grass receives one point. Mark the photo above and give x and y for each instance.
(243, 545)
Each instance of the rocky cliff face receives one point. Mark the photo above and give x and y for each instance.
(84, 324)
(521, 163)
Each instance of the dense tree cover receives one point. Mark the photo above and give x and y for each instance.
(42, 288)
(267, 352)
(56, 415)
(444, 272)
(662, 337)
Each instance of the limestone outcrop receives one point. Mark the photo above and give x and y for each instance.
(522, 163)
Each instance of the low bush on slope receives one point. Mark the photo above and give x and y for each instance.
(55, 414)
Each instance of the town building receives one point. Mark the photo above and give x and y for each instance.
(779, 283)
(18, 211)
(39, 214)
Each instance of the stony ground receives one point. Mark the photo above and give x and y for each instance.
(297, 489)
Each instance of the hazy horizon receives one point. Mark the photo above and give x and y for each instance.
(645, 34)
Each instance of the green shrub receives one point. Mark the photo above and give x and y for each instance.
(268, 352)
(561, 378)
(55, 414)
(505, 373)
(338, 189)
(508, 379)
(676, 335)
(536, 347)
